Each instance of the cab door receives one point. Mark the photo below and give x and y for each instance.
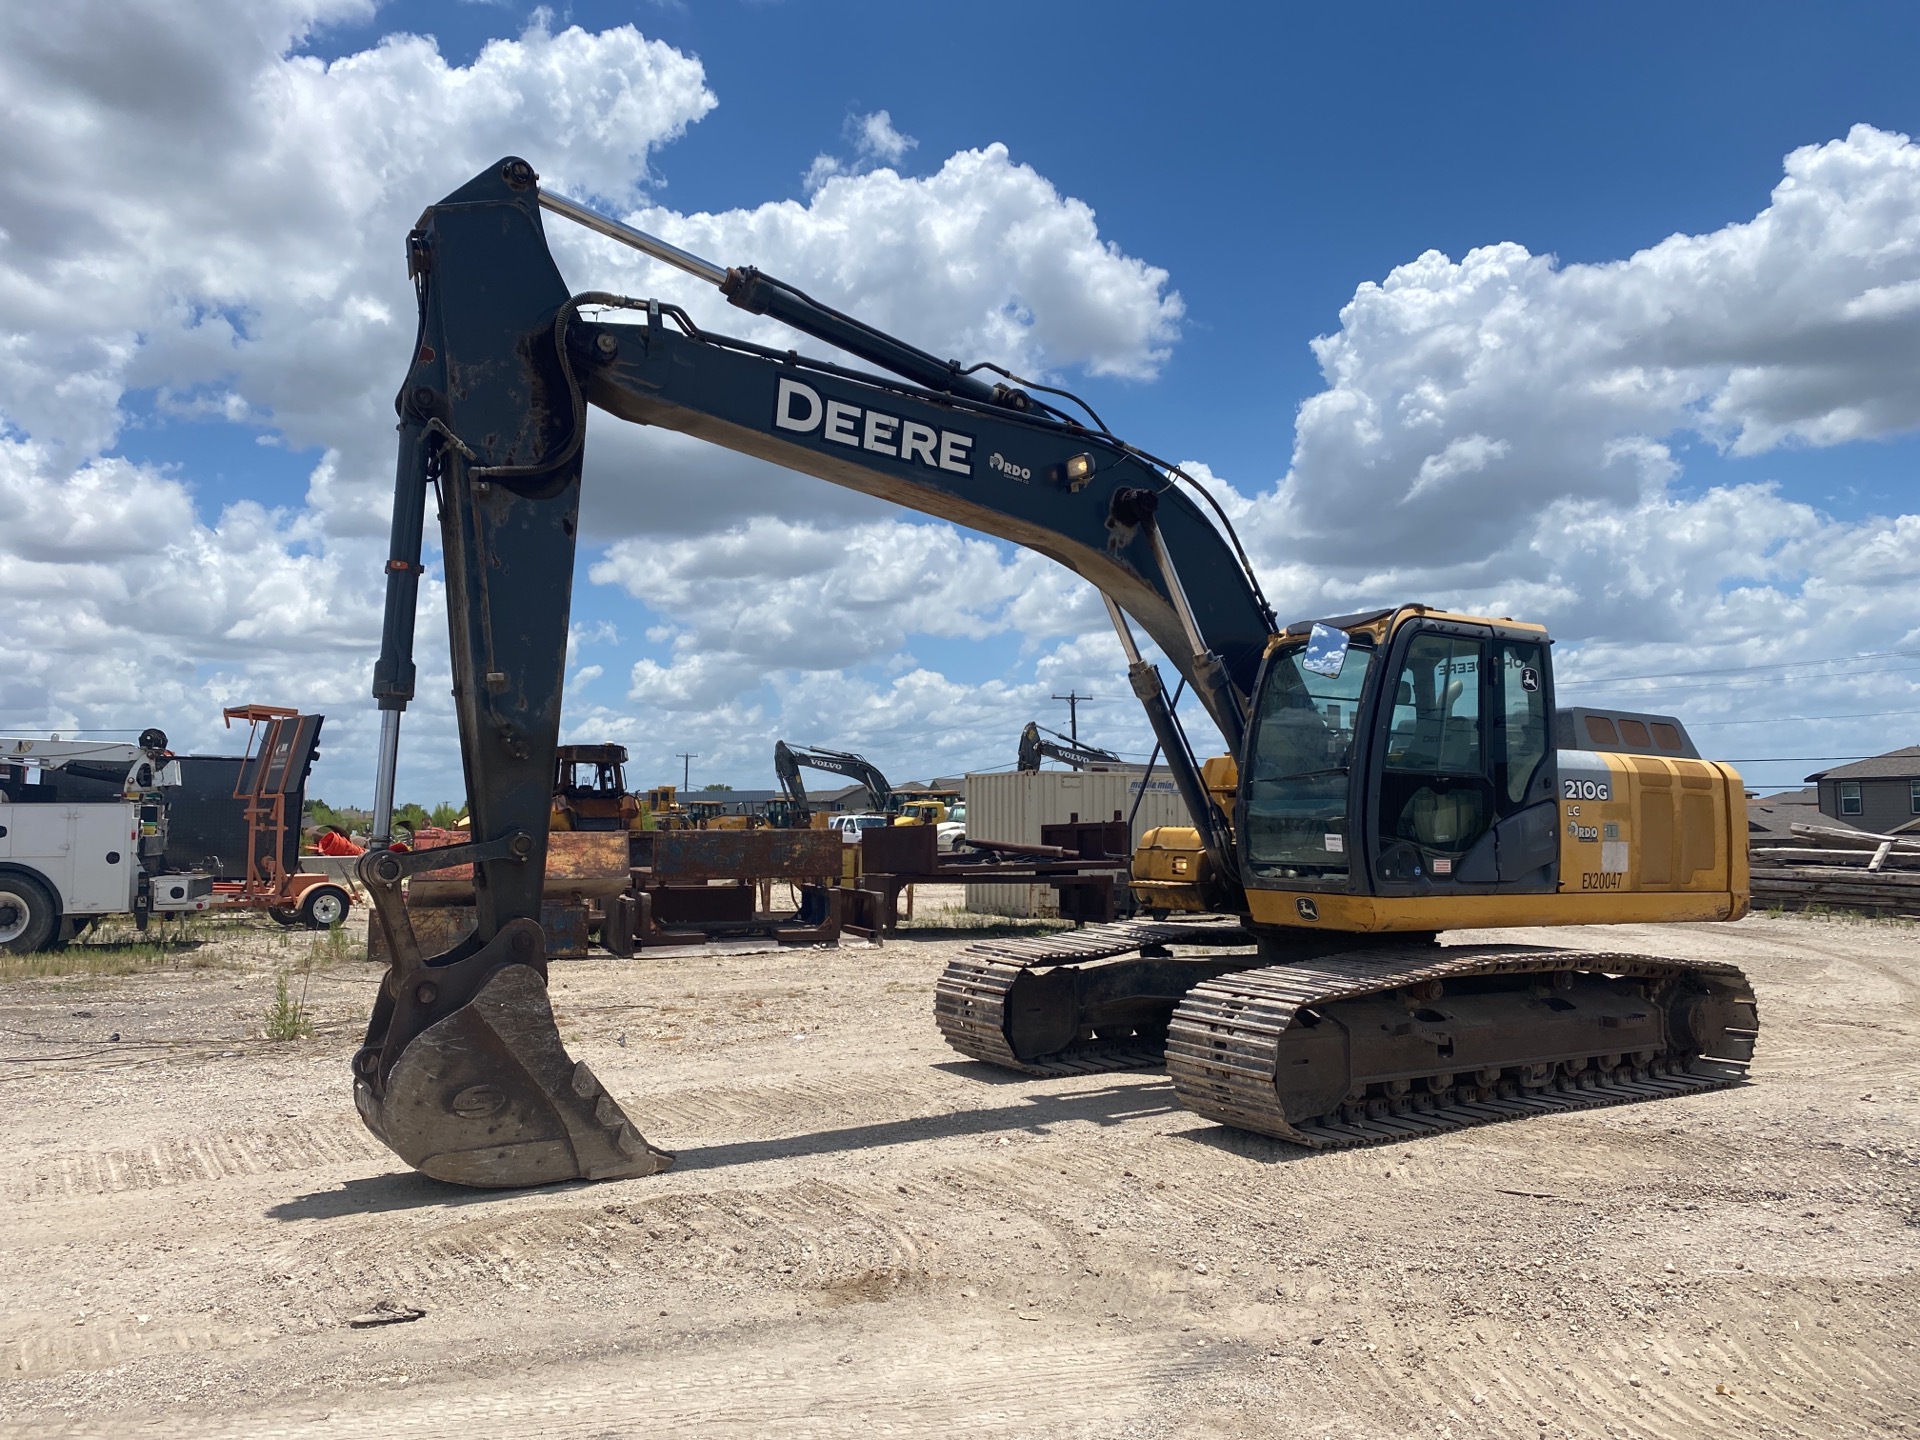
(1461, 792)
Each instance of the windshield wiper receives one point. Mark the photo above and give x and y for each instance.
(1309, 774)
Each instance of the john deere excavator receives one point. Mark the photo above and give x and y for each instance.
(1390, 775)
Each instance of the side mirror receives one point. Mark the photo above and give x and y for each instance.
(1326, 651)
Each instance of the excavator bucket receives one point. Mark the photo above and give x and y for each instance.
(463, 1074)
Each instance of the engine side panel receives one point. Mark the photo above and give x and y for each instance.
(1647, 824)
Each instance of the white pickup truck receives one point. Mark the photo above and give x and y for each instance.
(64, 864)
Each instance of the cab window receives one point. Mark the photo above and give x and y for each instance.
(1524, 733)
(1296, 787)
(1436, 798)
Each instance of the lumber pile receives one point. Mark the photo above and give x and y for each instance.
(1839, 869)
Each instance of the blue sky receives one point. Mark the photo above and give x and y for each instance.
(1274, 156)
(1271, 160)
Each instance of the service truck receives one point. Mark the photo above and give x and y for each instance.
(65, 863)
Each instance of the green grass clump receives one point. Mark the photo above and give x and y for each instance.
(336, 947)
(287, 1018)
(115, 947)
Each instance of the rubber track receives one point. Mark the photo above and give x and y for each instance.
(1222, 1047)
(969, 1002)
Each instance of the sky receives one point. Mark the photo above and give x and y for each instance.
(1603, 317)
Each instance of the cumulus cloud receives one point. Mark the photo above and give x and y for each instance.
(916, 723)
(1501, 433)
(200, 224)
(267, 267)
(875, 142)
(785, 595)
(984, 258)
(1465, 399)
(196, 212)
(262, 286)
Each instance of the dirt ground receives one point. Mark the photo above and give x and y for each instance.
(865, 1235)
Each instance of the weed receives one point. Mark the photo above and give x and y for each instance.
(336, 947)
(287, 1018)
(116, 947)
(973, 925)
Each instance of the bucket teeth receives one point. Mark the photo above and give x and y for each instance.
(488, 1096)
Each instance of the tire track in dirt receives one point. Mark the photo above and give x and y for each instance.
(189, 1159)
(899, 1384)
(1788, 1377)
(49, 1345)
(723, 1111)
(808, 1235)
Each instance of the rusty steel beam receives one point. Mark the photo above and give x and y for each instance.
(684, 857)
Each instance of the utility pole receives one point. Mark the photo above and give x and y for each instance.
(686, 770)
(1073, 699)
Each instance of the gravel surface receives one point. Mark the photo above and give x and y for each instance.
(865, 1234)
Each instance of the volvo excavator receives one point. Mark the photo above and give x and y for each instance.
(788, 759)
(1037, 745)
(1390, 776)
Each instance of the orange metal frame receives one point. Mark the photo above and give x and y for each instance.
(267, 881)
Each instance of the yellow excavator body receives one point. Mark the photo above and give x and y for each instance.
(1668, 844)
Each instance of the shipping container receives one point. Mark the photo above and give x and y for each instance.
(1013, 805)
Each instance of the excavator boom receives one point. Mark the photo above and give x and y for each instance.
(1037, 745)
(461, 1070)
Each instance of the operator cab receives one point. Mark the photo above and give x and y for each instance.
(1402, 752)
(590, 789)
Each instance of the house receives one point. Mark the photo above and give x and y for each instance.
(1880, 795)
(1771, 818)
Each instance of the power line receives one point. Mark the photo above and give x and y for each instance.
(1785, 719)
(1749, 669)
(1792, 759)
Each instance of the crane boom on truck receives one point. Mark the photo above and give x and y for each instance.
(1390, 775)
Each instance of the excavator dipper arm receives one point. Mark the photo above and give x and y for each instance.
(462, 1071)
(787, 760)
(1035, 747)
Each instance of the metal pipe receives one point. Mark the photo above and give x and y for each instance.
(760, 294)
(388, 762)
(639, 239)
(1170, 740)
(1121, 628)
(1176, 591)
(1210, 679)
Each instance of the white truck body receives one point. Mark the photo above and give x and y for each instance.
(89, 855)
(90, 858)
